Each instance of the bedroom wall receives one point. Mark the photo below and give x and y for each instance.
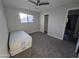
(57, 20)
(3, 33)
(14, 23)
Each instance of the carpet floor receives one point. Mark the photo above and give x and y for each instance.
(45, 46)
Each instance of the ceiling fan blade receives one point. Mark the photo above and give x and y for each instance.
(44, 3)
(33, 2)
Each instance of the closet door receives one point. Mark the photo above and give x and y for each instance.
(77, 28)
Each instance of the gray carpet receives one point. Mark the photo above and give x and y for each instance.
(45, 46)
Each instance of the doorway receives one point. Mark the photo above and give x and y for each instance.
(46, 24)
(72, 26)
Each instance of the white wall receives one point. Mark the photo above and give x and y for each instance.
(57, 20)
(14, 23)
(3, 33)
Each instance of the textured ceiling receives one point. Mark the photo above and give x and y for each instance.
(27, 5)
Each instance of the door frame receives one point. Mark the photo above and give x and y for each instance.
(48, 19)
(66, 19)
(44, 22)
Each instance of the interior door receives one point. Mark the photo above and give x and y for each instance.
(46, 23)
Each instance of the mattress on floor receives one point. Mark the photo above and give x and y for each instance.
(19, 41)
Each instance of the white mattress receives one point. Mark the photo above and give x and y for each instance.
(19, 41)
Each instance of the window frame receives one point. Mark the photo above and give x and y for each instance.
(28, 21)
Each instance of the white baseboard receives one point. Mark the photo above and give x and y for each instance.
(55, 37)
(5, 56)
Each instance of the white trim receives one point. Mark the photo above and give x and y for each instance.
(43, 14)
(67, 14)
(5, 56)
(71, 9)
(55, 36)
(48, 19)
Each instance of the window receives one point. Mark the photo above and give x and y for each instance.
(26, 18)
(30, 18)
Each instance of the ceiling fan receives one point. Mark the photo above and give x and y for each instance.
(38, 3)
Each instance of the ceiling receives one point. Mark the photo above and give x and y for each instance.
(27, 5)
